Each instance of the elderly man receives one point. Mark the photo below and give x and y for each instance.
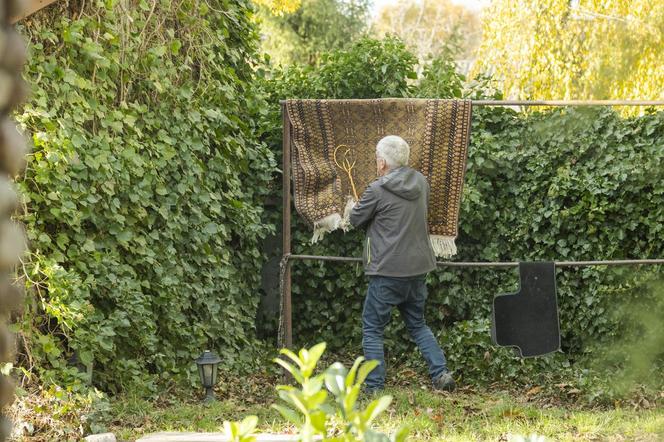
(397, 257)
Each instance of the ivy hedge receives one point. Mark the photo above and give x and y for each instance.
(557, 184)
(144, 191)
(153, 186)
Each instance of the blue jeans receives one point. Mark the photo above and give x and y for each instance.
(409, 296)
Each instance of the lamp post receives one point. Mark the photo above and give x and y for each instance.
(207, 370)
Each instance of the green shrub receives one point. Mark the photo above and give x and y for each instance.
(336, 416)
(145, 189)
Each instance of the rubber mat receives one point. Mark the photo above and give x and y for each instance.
(528, 319)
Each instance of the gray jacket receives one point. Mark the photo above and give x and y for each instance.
(395, 209)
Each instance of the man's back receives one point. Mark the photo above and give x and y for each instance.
(395, 209)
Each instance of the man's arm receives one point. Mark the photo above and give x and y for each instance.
(364, 210)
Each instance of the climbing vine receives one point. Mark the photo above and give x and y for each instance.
(144, 190)
(145, 198)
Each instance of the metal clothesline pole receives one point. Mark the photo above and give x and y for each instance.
(558, 102)
(568, 103)
(285, 271)
(286, 320)
(619, 262)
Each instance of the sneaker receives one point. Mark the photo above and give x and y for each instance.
(444, 382)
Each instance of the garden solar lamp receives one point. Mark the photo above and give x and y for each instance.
(207, 369)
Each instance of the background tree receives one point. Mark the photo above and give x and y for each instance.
(317, 26)
(280, 7)
(575, 50)
(429, 27)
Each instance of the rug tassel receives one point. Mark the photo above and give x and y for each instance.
(333, 222)
(443, 246)
(325, 226)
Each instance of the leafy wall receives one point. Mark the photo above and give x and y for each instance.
(151, 166)
(144, 190)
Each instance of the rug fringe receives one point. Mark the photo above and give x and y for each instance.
(333, 222)
(324, 226)
(443, 246)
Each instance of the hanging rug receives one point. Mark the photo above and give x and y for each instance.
(333, 155)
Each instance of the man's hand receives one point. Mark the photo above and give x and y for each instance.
(345, 220)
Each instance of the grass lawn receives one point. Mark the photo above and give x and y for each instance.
(465, 415)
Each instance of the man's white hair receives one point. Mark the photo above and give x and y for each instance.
(394, 150)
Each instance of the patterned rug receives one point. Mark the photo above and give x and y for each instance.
(330, 135)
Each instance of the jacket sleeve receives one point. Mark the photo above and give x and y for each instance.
(365, 209)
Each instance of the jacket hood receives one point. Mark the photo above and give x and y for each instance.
(404, 182)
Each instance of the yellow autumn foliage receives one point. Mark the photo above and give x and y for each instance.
(279, 7)
(588, 49)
